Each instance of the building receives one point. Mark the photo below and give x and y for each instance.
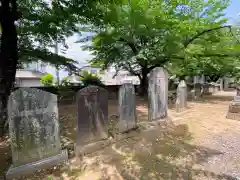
(30, 75)
(109, 77)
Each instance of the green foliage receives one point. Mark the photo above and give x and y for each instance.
(47, 80)
(90, 79)
(65, 82)
(65, 92)
(140, 35)
(42, 24)
(185, 37)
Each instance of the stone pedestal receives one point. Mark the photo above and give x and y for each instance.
(16, 172)
(234, 109)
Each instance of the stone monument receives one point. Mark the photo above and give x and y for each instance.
(34, 132)
(181, 102)
(92, 116)
(234, 108)
(127, 107)
(158, 94)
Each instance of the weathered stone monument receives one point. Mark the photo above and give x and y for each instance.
(198, 90)
(216, 87)
(158, 94)
(234, 108)
(92, 116)
(181, 101)
(206, 88)
(211, 88)
(238, 90)
(226, 83)
(34, 132)
(221, 84)
(127, 108)
(202, 79)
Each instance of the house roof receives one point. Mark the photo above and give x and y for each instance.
(28, 74)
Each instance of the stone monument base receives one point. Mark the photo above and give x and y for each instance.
(27, 169)
(234, 110)
(234, 116)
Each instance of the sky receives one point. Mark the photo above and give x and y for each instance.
(76, 53)
(233, 11)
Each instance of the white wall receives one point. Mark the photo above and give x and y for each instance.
(28, 83)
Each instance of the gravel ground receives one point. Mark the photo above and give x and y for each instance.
(228, 162)
(212, 130)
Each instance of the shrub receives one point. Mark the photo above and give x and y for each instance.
(47, 80)
(90, 79)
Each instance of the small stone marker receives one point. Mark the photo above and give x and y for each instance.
(92, 116)
(226, 83)
(238, 90)
(198, 90)
(181, 102)
(34, 132)
(221, 84)
(206, 88)
(216, 87)
(127, 108)
(234, 107)
(158, 94)
(237, 98)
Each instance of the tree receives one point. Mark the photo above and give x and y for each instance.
(139, 35)
(8, 54)
(28, 30)
(215, 55)
(47, 80)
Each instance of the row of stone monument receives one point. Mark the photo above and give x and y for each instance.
(34, 126)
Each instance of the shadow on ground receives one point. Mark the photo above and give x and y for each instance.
(214, 99)
(5, 156)
(157, 154)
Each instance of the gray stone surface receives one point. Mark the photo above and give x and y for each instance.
(217, 87)
(92, 115)
(221, 84)
(127, 107)
(33, 126)
(196, 79)
(236, 98)
(211, 88)
(234, 109)
(202, 79)
(198, 90)
(238, 91)
(226, 83)
(181, 102)
(158, 94)
(23, 170)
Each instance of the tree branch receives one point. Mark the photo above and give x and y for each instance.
(189, 41)
(130, 69)
(131, 45)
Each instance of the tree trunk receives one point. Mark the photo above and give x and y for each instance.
(143, 85)
(8, 56)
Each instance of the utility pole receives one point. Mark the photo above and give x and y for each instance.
(57, 67)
